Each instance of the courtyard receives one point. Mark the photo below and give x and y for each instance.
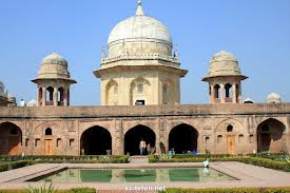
(232, 174)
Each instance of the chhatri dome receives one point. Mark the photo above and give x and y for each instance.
(54, 66)
(224, 63)
(53, 81)
(224, 77)
(274, 98)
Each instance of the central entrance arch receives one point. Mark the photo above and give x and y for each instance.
(10, 139)
(96, 141)
(183, 138)
(135, 135)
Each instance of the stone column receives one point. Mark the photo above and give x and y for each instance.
(117, 139)
(212, 94)
(235, 94)
(55, 97)
(43, 96)
(223, 93)
(65, 97)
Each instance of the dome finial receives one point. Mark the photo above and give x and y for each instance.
(139, 11)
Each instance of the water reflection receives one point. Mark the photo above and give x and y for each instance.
(137, 175)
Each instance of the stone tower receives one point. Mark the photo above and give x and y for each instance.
(140, 66)
(53, 82)
(224, 78)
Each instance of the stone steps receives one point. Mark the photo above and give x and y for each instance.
(138, 159)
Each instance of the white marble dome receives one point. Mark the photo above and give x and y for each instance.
(274, 98)
(224, 63)
(139, 27)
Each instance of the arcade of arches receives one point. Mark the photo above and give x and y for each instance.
(271, 136)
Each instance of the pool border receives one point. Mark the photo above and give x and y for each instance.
(250, 176)
(40, 178)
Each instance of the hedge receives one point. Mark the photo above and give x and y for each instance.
(14, 165)
(75, 190)
(14, 162)
(69, 159)
(232, 190)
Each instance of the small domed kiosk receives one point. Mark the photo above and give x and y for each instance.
(274, 98)
(53, 82)
(224, 78)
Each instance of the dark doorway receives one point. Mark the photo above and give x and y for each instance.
(10, 139)
(270, 136)
(135, 135)
(96, 141)
(183, 138)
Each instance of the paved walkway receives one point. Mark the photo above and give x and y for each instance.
(22, 174)
(246, 175)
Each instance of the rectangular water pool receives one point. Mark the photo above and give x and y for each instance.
(134, 175)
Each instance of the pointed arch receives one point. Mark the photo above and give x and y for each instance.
(183, 138)
(48, 132)
(139, 89)
(217, 92)
(10, 139)
(229, 136)
(96, 140)
(112, 90)
(270, 136)
(60, 96)
(168, 92)
(49, 95)
(135, 135)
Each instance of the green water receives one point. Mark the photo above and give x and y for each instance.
(136, 175)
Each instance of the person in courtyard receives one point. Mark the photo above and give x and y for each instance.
(142, 147)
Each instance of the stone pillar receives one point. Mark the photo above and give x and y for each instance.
(117, 139)
(200, 143)
(55, 97)
(223, 93)
(43, 96)
(239, 91)
(235, 94)
(158, 136)
(212, 94)
(65, 97)
(68, 97)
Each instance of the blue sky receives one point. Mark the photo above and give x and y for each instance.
(256, 31)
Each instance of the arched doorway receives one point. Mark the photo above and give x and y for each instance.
(96, 141)
(10, 139)
(135, 135)
(270, 136)
(183, 138)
